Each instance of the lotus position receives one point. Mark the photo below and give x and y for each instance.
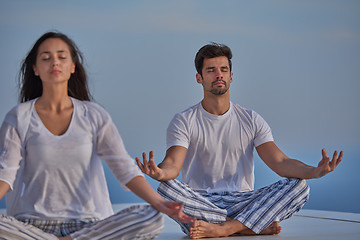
(51, 148)
(212, 144)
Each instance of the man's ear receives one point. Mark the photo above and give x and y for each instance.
(199, 78)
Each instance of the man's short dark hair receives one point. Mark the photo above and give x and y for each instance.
(211, 50)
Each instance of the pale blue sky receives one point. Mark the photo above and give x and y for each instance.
(297, 63)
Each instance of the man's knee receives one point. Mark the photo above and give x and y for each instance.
(300, 188)
(170, 189)
(174, 183)
(300, 184)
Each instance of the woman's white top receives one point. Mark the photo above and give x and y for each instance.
(61, 177)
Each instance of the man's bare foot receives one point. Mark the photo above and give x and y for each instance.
(273, 229)
(202, 229)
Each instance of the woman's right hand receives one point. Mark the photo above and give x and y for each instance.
(4, 188)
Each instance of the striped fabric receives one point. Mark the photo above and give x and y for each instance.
(136, 222)
(255, 209)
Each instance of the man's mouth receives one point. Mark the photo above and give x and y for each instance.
(219, 82)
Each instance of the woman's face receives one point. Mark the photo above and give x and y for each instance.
(54, 64)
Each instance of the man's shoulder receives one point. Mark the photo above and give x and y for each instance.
(186, 116)
(189, 111)
(240, 109)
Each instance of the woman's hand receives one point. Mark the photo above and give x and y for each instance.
(174, 210)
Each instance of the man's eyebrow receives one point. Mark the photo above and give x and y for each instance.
(222, 67)
(210, 68)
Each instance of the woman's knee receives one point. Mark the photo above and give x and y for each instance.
(153, 225)
(151, 216)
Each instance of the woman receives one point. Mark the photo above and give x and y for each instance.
(51, 147)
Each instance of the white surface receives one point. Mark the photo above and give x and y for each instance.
(306, 225)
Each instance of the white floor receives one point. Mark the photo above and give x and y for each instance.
(306, 225)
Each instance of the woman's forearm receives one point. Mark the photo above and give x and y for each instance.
(4, 188)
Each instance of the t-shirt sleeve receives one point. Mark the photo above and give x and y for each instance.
(110, 147)
(10, 153)
(177, 133)
(263, 132)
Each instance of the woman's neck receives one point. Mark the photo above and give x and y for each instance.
(54, 99)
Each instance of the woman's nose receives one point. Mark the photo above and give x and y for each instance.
(55, 62)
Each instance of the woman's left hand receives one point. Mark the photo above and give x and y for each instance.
(174, 210)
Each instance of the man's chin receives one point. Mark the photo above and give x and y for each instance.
(219, 92)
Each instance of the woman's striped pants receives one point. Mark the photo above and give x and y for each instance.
(136, 222)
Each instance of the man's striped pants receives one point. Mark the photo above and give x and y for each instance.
(255, 209)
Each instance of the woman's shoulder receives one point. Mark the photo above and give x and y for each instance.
(20, 111)
(92, 109)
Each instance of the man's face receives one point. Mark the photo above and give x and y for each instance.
(216, 75)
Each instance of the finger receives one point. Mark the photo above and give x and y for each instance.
(339, 158)
(333, 161)
(140, 165)
(324, 153)
(325, 159)
(144, 157)
(151, 155)
(146, 165)
(152, 164)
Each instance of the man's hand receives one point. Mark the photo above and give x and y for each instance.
(149, 167)
(326, 166)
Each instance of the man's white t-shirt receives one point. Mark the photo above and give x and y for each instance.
(220, 148)
(62, 177)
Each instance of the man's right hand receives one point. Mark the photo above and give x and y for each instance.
(149, 167)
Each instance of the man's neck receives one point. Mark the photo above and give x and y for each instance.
(217, 105)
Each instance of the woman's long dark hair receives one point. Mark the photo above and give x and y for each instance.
(31, 85)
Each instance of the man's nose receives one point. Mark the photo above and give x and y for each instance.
(219, 74)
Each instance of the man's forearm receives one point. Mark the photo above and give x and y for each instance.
(292, 168)
(169, 172)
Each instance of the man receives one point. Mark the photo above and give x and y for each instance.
(212, 144)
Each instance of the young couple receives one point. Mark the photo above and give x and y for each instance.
(53, 142)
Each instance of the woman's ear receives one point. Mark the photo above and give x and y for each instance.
(35, 71)
(73, 68)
